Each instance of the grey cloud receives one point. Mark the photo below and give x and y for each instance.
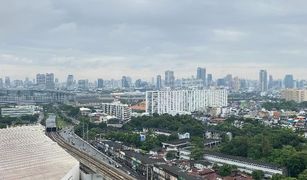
(143, 34)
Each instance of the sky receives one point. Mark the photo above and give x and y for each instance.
(142, 38)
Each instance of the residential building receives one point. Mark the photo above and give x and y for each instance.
(297, 95)
(184, 101)
(120, 111)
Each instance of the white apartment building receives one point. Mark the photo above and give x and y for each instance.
(120, 111)
(184, 101)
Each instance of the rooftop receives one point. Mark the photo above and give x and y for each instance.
(27, 153)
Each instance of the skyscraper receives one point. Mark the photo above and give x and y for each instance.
(263, 80)
(100, 83)
(270, 85)
(209, 80)
(70, 82)
(83, 84)
(169, 79)
(288, 81)
(1, 83)
(159, 82)
(50, 81)
(7, 82)
(201, 74)
(40, 79)
(125, 82)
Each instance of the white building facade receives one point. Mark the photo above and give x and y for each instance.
(120, 111)
(184, 101)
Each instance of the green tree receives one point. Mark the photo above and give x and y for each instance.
(258, 175)
(225, 170)
(303, 175)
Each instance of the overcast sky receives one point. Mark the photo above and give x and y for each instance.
(143, 38)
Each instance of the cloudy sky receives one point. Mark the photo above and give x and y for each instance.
(142, 38)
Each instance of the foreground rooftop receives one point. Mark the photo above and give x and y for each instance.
(27, 153)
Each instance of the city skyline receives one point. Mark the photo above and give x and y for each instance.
(143, 38)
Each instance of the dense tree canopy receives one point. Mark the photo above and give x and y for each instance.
(178, 123)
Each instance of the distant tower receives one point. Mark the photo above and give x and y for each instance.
(288, 81)
(159, 82)
(50, 81)
(41, 79)
(125, 82)
(209, 80)
(270, 85)
(100, 83)
(169, 79)
(70, 82)
(263, 80)
(1, 83)
(201, 74)
(7, 82)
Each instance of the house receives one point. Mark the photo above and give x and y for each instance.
(184, 136)
(202, 164)
(164, 172)
(185, 153)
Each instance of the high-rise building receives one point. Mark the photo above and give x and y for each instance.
(236, 84)
(100, 83)
(270, 84)
(70, 82)
(159, 82)
(169, 79)
(7, 82)
(263, 80)
(41, 79)
(209, 80)
(1, 83)
(229, 80)
(125, 82)
(50, 81)
(288, 81)
(184, 101)
(201, 74)
(83, 84)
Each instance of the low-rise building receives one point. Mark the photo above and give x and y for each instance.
(117, 109)
(175, 145)
(243, 164)
(18, 111)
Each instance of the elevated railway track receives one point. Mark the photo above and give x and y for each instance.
(99, 167)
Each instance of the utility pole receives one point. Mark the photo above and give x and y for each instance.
(87, 132)
(83, 129)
